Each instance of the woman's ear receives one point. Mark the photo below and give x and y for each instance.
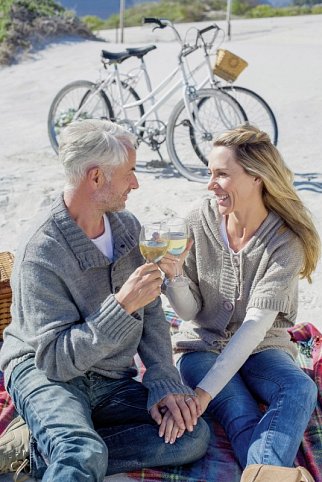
(258, 180)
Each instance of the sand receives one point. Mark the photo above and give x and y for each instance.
(284, 68)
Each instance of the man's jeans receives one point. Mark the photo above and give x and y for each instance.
(271, 377)
(93, 426)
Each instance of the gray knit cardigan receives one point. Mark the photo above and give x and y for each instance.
(225, 285)
(65, 315)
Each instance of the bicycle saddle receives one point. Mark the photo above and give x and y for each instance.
(115, 57)
(139, 52)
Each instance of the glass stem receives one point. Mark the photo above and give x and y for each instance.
(176, 271)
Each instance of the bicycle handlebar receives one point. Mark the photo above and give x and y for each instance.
(186, 49)
(207, 29)
(161, 23)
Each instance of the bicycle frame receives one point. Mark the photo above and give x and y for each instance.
(152, 92)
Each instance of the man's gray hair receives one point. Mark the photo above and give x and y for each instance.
(93, 143)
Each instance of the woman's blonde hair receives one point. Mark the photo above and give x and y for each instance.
(255, 152)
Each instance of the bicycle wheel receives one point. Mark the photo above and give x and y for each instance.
(257, 110)
(189, 146)
(75, 101)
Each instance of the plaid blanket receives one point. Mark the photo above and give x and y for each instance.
(219, 464)
(7, 410)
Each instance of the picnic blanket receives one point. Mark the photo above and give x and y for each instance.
(219, 463)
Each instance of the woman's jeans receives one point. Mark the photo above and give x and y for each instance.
(92, 426)
(271, 377)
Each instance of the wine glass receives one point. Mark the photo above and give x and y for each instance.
(153, 241)
(179, 235)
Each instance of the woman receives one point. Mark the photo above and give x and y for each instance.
(250, 244)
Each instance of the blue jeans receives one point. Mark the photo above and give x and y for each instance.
(93, 426)
(271, 377)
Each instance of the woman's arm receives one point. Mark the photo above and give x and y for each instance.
(182, 301)
(240, 347)
(181, 297)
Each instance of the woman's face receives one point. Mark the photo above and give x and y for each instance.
(234, 189)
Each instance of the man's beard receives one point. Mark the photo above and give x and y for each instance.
(107, 202)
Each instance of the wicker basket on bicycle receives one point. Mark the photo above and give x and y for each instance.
(228, 65)
(6, 262)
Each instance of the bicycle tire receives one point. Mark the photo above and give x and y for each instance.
(182, 137)
(257, 110)
(68, 101)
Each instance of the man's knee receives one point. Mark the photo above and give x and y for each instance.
(196, 442)
(88, 452)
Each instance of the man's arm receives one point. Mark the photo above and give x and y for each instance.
(66, 345)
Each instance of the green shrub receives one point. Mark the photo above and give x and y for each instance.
(317, 9)
(41, 7)
(174, 10)
(5, 21)
(93, 22)
(24, 24)
(240, 7)
(133, 16)
(262, 11)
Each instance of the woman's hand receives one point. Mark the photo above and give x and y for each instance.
(204, 398)
(172, 265)
(185, 410)
(169, 429)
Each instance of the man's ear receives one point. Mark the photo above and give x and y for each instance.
(95, 176)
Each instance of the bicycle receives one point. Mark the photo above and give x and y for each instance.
(197, 118)
(94, 100)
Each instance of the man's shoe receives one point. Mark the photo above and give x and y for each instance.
(14, 446)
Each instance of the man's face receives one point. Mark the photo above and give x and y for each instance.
(113, 195)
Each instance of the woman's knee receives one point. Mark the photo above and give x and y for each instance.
(194, 366)
(306, 394)
(299, 392)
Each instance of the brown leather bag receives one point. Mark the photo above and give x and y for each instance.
(271, 473)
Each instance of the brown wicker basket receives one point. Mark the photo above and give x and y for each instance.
(6, 262)
(228, 65)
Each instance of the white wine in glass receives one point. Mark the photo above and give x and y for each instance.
(154, 242)
(178, 234)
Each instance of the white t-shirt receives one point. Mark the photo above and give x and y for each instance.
(105, 242)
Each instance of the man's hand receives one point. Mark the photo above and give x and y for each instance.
(169, 429)
(184, 409)
(142, 287)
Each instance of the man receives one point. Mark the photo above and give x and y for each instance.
(84, 303)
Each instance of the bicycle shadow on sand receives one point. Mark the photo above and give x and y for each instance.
(159, 168)
(309, 181)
